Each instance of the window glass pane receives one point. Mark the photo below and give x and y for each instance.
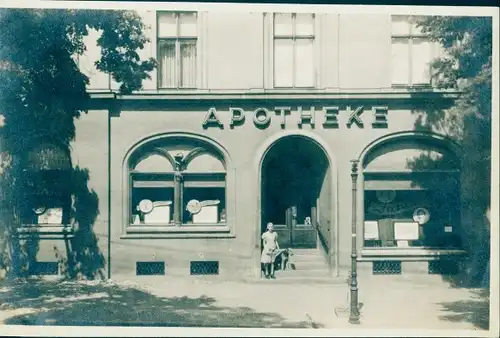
(188, 64)
(400, 25)
(435, 211)
(213, 205)
(304, 24)
(47, 198)
(421, 58)
(187, 24)
(162, 210)
(400, 62)
(414, 29)
(167, 63)
(283, 63)
(167, 26)
(304, 63)
(283, 24)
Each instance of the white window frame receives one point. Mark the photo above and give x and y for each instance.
(184, 230)
(313, 37)
(409, 37)
(177, 39)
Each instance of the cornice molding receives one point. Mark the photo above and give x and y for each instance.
(266, 94)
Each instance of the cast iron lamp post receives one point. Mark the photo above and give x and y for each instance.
(354, 308)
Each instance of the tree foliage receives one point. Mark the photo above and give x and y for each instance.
(42, 89)
(466, 66)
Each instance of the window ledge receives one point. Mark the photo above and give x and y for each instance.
(408, 253)
(183, 231)
(46, 230)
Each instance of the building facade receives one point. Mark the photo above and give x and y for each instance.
(257, 117)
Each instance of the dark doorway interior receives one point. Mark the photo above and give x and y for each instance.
(293, 172)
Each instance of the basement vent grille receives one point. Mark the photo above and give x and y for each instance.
(443, 267)
(149, 268)
(204, 268)
(44, 268)
(386, 267)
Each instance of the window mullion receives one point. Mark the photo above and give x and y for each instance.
(177, 51)
(181, 204)
(294, 32)
(294, 60)
(178, 63)
(410, 54)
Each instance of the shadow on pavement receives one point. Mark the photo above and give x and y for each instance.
(475, 311)
(76, 303)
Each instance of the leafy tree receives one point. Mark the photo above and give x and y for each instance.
(466, 66)
(42, 89)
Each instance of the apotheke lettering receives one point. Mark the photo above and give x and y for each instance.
(331, 117)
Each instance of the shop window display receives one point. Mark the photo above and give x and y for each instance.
(172, 186)
(46, 187)
(411, 218)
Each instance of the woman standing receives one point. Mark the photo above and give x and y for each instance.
(269, 245)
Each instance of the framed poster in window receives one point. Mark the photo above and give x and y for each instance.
(371, 230)
(406, 231)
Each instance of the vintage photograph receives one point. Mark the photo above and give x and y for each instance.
(251, 166)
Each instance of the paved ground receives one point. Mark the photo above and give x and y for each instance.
(397, 303)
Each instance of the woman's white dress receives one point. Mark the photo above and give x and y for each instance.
(270, 240)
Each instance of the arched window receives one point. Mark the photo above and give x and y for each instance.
(46, 180)
(177, 181)
(411, 195)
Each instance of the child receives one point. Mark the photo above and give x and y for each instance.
(270, 244)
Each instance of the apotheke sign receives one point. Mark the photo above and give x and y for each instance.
(328, 117)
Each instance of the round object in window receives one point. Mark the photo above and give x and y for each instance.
(39, 210)
(193, 206)
(421, 215)
(386, 196)
(145, 206)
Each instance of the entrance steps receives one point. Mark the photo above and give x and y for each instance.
(307, 266)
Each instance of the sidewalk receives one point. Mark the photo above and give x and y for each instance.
(400, 304)
(205, 302)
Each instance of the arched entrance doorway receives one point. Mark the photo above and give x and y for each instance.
(296, 192)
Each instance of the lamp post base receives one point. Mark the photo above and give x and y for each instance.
(354, 318)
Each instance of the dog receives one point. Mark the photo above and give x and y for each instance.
(282, 260)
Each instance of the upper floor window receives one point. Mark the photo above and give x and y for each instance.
(412, 52)
(294, 50)
(177, 46)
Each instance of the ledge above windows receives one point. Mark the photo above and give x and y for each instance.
(396, 93)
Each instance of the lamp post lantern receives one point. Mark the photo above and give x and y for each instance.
(354, 307)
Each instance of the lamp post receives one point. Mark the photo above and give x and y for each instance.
(354, 309)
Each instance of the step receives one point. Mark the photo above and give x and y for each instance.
(307, 258)
(304, 273)
(313, 252)
(310, 265)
